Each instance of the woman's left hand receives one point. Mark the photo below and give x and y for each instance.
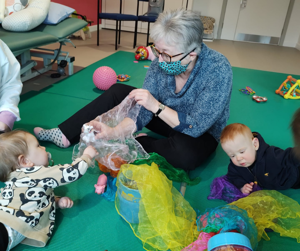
(144, 97)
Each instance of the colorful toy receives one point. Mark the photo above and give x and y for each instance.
(289, 89)
(247, 91)
(229, 242)
(104, 77)
(141, 53)
(259, 99)
(101, 184)
(123, 78)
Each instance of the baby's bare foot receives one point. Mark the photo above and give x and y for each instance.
(64, 202)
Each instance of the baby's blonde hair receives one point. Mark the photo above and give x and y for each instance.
(12, 145)
(232, 130)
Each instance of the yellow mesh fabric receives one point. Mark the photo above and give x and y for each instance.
(271, 209)
(166, 219)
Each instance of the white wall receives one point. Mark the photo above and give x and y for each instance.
(298, 44)
(293, 30)
(211, 8)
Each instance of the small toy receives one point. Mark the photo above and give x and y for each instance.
(123, 78)
(141, 53)
(289, 89)
(247, 91)
(146, 66)
(101, 184)
(135, 62)
(229, 242)
(259, 99)
(88, 134)
(104, 77)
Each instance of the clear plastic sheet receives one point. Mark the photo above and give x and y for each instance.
(122, 145)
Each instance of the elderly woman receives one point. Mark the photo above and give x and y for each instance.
(185, 96)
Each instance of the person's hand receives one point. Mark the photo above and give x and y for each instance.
(102, 130)
(144, 97)
(4, 127)
(64, 202)
(91, 151)
(247, 188)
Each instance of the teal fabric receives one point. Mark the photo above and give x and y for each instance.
(40, 36)
(64, 28)
(21, 41)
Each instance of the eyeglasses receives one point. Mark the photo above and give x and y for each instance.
(165, 56)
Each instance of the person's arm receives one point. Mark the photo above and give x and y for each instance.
(146, 99)
(10, 82)
(234, 176)
(58, 175)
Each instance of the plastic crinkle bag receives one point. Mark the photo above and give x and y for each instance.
(118, 150)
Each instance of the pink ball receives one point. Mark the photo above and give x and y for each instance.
(104, 77)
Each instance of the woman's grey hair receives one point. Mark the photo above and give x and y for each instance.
(180, 28)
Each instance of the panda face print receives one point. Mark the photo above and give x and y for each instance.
(43, 203)
(30, 169)
(24, 182)
(51, 227)
(52, 212)
(7, 194)
(48, 183)
(35, 193)
(7, 210)
(32, 220)
(69, 174)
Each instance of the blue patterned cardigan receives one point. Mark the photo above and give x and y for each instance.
(202, 104)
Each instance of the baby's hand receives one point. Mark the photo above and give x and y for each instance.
(64, 202)
(91, 151)
(247, 188)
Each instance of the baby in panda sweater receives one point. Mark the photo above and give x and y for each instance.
(27, 202)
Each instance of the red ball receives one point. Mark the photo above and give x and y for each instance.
(104, 77)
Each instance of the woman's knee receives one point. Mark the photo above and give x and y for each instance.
(189, 155)
(119, 91)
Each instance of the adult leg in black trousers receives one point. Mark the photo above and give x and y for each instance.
(180, 150)
(3, 237)
(71, 128)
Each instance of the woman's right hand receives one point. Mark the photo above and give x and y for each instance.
(103, 130)
(91, 151)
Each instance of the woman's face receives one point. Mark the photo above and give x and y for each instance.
(171, 50)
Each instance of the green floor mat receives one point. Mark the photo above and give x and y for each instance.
(80, 85)
(93, 223)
